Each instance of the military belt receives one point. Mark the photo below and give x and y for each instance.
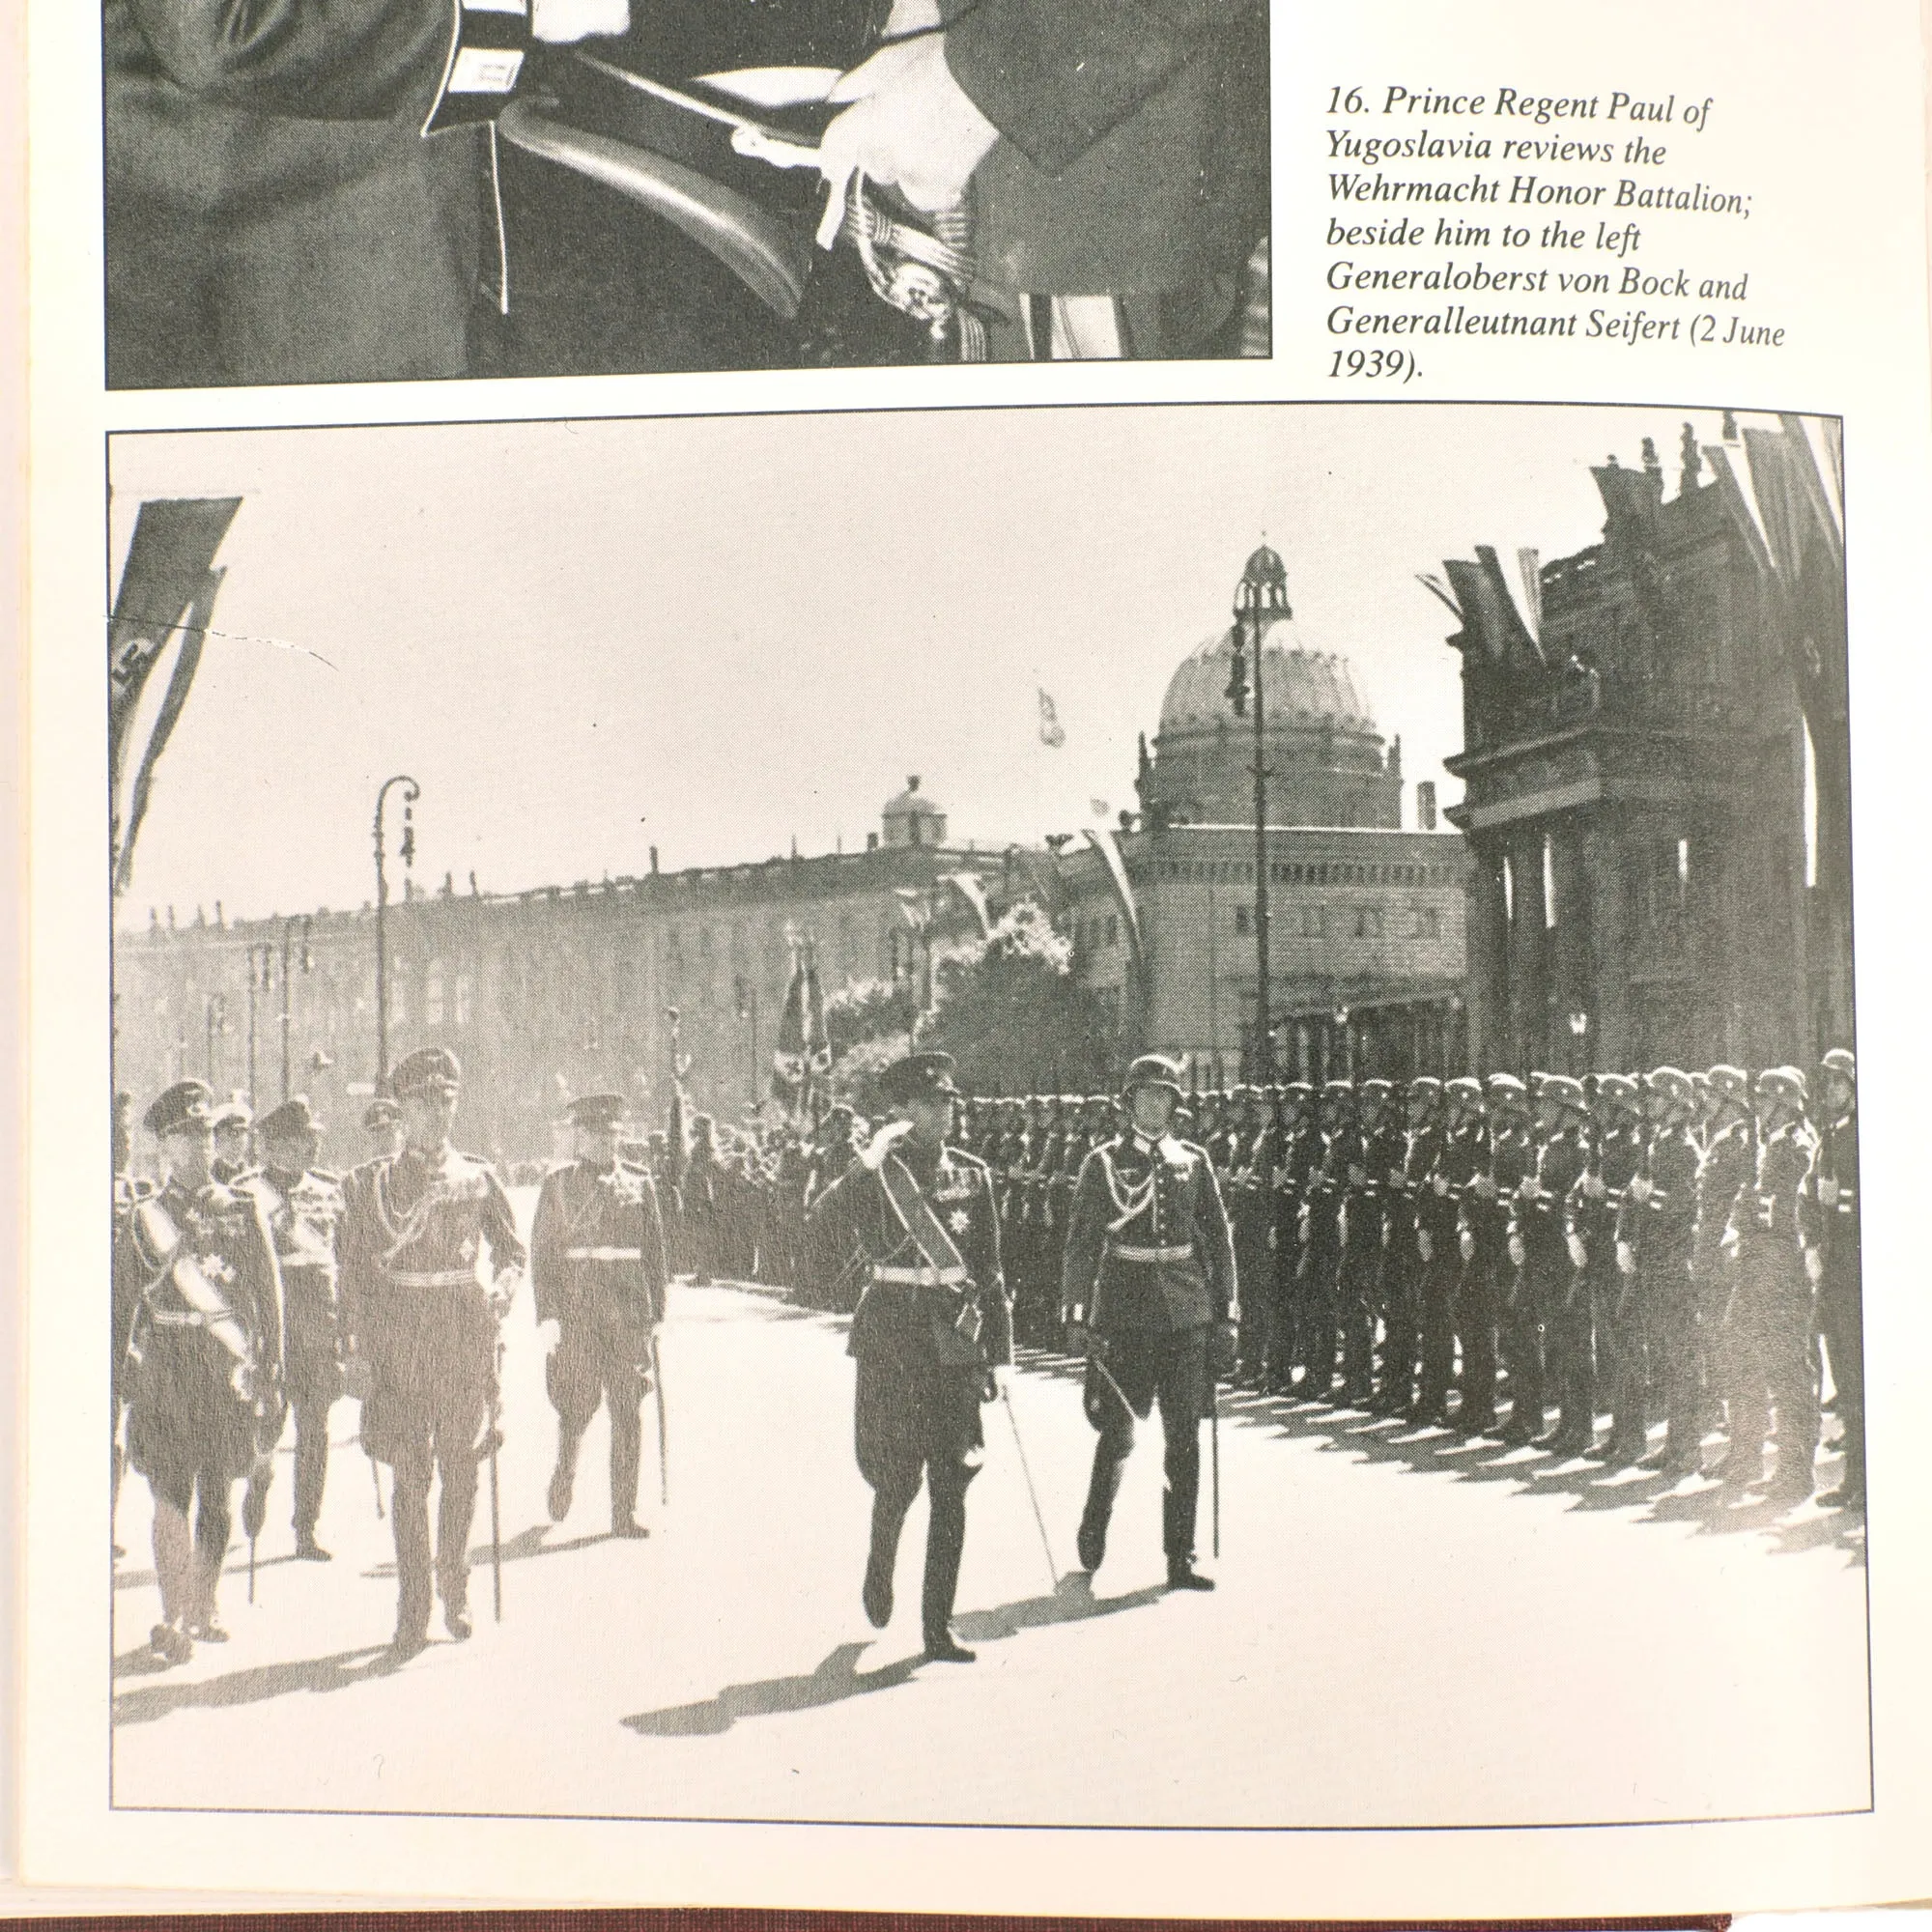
(920, 1277)
(1122, 1251)
(603, 1254)
(435, 1278)
(164, 1318)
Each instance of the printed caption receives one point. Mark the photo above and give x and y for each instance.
(1485, 219)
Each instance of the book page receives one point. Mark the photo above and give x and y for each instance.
(894, 1126)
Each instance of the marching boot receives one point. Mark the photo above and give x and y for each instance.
(625, 1451)
(889, 1516)
(204, 1623)
(1181, 1575)
(945, 1544)
(1103, 1487)
(563, 1478)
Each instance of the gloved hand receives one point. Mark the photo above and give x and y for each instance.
(882, 1143)
(1441, 1182)
(1516, 1251)
(1425, 1244)
(1626, 1258)
(549, 1332)
(1465, 1245)
(1223, 1351)
(994, 1387)
(1814, 1266)
(1593, 1185)
(1641, 1189)
(503, 1291)
(1827, 1191)
(1579, 1255)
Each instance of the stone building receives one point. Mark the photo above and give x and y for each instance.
(1366, 946)
(1656, 767)
(542, 994)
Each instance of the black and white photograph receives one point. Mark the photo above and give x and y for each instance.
(300, 192)
(1143, 1116)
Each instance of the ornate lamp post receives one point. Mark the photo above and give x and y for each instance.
(1261, 598)
(412, 792)
(261, 979)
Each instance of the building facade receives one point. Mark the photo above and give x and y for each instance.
(1656, 767)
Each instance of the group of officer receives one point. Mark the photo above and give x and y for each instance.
(246, 1292)
(1673, 1247)
(1648, 1245)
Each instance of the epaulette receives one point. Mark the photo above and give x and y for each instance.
(328, 1174)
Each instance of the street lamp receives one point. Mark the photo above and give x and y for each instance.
(307, 925)
(261, 977)
(1261, 598)
(215, 1013)
(412, 792)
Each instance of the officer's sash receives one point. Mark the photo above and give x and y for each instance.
(164, 1239)
(916, 1214)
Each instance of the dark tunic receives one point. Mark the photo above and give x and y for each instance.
(206, 1391)
(273, 212)
(303, 1215)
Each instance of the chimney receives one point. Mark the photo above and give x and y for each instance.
(654, 862)
(871, 842)
(1425, 805)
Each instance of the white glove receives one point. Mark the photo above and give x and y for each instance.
(1465, 1245)
(1827, 1191)
(549, 1332)
(1578, 1253)
(1814, 1266)
(1626, 1258)
(1592, 1186)
(578, 20)
(503, 1291)
(1641, 1189)
(1441, 1182)
(882, 1143)
(1424, 1246)
(1516, 1250)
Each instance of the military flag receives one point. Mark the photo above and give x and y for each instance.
(790, 1054)
(1052, 732)
(161, 617)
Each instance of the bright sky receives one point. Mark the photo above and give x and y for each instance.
(719, 635)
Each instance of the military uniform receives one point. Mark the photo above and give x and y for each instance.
(1319, 1269)
(933, 1320)
(1768, 1324)
(1611, 1354)
(1301, 1148)
(1150, 1266)
(1547, 1277)
(1403, 1270)
(420, 1229)
(1723, 1170)
(1466, 1308)
(303, 1212)
(1655, 1232)
(198, 1295)
(1833, 1192)
(1487, 1206)
(598, 1270)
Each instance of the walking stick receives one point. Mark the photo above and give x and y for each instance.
(496, 1492)
(374, 1482)
(1033, 1495)
(251, 1566)
(1214, 1456)
(663, 1433)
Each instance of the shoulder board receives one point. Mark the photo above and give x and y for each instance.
(965, 1157)
(328, 1174)
(1188, 1150)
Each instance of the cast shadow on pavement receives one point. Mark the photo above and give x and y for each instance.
(838, 1676)
(518, 1549)
(253, 1685)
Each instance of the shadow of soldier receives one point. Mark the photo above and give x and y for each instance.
(253, 1685)
(838, 1676)
(518, 1549)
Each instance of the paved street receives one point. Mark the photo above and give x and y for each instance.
(1408, 1630)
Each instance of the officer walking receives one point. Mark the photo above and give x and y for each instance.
(932, 1336)
(599, 1272)
(1148, 1295)
(196, 1291)
(1835, 1198)
(428, 1331)
(302, 1206)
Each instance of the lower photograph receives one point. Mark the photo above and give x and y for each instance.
(1160, 1132)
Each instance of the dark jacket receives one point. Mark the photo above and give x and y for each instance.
(273, 212)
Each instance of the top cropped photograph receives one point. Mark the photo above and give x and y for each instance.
(303, 191)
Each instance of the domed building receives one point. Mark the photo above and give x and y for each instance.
(1364, 919)
(1328, 764)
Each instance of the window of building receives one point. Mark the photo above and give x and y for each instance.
(1243, 919)
(466, 992)
(1368, 922)
(1428, 924)
(433, 994)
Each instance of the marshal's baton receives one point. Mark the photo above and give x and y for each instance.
(1033, 1495)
